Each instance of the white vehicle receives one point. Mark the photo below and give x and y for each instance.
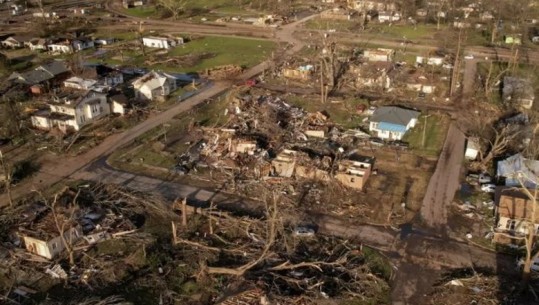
(484, 178)
(488, 188)
(469, 57)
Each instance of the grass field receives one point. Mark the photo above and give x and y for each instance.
(236, 51)
(435, 132)
(328, 24)
(420, 31)
(142, 11)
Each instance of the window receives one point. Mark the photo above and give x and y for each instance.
(54, 246)
(352, 180)
(511, 225)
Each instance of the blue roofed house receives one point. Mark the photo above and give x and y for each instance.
(518, 170)
(392, 122)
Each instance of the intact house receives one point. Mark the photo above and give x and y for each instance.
(392, 122)
(372, 75)
(518, 90)
(353, 171)
(300, 73)
(14, 42)
(46, 75)
(60, 46)
(514, 212)
(41, 237)
(71, 111)
(154, 86)
(379, 54)
(517, 170)
(162, 42)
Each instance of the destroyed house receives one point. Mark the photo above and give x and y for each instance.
(337, 13)
(518, 90)
(354, 171)
(301, 73)
(379, 54)
(514, 212)
(42, 236)
(518, 170)
(373, 75)
(314, 165)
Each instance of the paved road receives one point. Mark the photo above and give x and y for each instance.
(444, 182)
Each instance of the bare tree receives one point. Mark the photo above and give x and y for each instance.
(527, 178)
(175, 7)
(64, 221)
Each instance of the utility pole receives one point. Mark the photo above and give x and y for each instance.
(456, 67)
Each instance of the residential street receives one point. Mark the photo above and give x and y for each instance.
(444, 182)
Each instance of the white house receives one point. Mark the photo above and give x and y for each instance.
(379, 54)
(391, 122)
(161, 42)
(71, 111)
(46, 241)
(62, 47)
(431, 60)
(79, 83)
(153, 85)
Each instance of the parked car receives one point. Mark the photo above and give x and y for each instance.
(484, 178)
(376, 141)
(488, 188)
(303, 231)
(469, 57)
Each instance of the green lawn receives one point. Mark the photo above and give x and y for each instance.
(330, 24)
(437, 126)
(420, 31)
(236, 51)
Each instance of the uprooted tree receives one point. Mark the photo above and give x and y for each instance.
(270, 255)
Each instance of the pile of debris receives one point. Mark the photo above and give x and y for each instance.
(222, 72)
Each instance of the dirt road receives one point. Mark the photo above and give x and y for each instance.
(444, 182)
